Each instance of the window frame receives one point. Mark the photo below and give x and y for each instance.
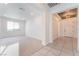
(14, 26)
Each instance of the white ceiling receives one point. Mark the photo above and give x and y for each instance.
(21, 11)
(63, 7)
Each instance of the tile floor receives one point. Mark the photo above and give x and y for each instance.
(29, 46)
(64, 46)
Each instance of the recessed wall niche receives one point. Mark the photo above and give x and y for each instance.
(68, 14)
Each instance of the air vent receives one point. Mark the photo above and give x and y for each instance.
(22, 9)
(52, 4)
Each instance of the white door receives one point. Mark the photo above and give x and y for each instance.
(67, 28)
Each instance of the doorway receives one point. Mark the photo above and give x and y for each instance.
(65, 31)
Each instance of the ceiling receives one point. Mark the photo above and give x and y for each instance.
(24, 11)
(68, 14)
(21, 10)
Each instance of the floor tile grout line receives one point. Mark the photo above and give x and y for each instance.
(49, 51)
(57, 49)
(54, 48)
(62, 49)
(38, 50)
(73, 48)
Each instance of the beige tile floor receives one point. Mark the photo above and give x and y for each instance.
(29, 46)
(63, 46)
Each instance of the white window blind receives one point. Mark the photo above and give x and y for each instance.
(12, 25)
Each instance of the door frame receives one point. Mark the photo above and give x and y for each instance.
(77, 24)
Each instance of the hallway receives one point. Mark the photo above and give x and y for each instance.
(39, 30)
(64, 46)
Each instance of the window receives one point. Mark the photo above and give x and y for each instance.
(12, 25)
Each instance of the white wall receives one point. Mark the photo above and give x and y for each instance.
(78, 29)
(4, 33)
(40, 28)
(68, 27)
(36, 28)
(59, 25)
(56, 28)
